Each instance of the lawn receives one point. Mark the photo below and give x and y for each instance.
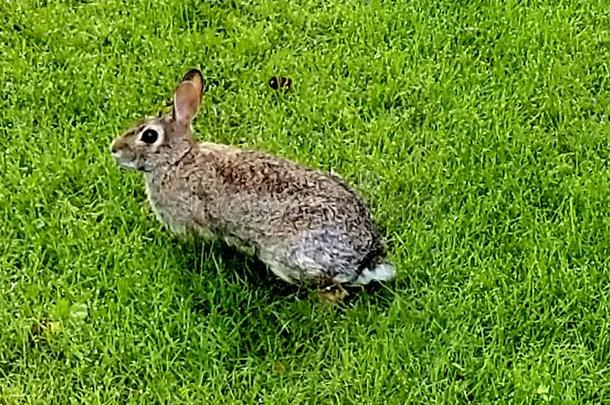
(477, 132)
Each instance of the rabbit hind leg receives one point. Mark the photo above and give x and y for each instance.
(318, 259)
(280, 268)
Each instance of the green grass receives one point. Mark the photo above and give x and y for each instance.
(478, 133)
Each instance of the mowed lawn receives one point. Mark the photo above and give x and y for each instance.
(477, 132)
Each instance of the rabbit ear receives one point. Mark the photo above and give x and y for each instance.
(188, 97)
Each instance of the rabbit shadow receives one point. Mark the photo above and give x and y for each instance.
(201, 258)
(220, 280)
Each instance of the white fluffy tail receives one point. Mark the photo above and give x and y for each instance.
(381, 272)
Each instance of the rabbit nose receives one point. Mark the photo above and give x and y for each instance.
(114, 147)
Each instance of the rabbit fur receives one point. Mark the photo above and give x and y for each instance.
(308, 227)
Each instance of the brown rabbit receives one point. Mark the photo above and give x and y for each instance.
(309, 227)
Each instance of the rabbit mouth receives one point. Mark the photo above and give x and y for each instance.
(124, 161)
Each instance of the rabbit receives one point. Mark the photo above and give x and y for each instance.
(310, 228)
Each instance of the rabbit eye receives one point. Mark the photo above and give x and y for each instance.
(149, 136)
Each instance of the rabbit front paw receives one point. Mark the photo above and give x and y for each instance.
(240, 245)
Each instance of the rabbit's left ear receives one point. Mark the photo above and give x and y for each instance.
(188, 97)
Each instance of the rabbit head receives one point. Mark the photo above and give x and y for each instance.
(159, 141)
